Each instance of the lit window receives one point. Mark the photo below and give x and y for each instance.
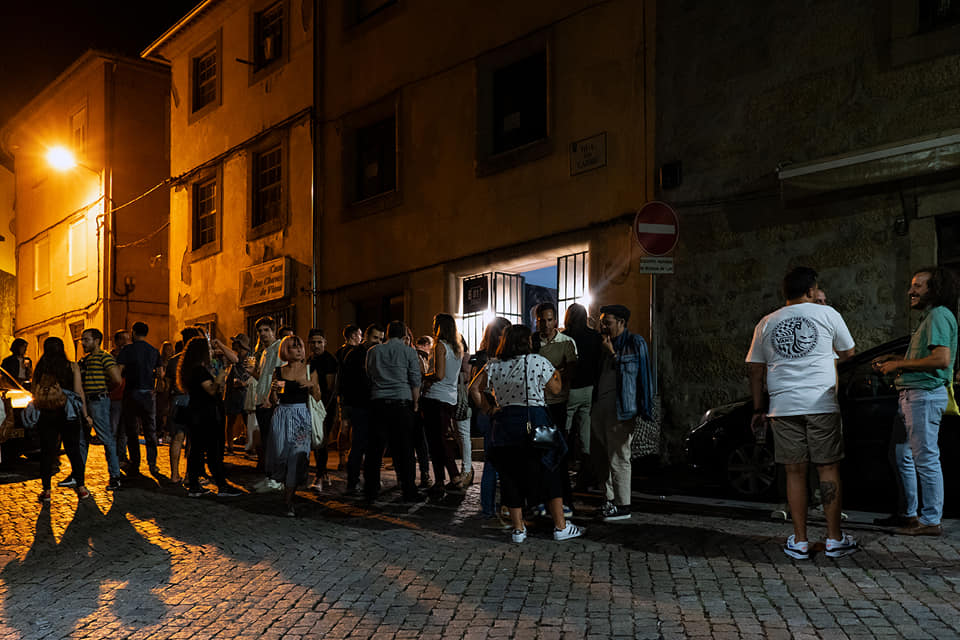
(267, 185)
(267, 36)
(78, 131)
(41, 265)
(204, 213)
(77, 248)
(204, 79)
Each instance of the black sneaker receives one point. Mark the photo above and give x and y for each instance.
(199, 493)
(69, 481)
(614, 512)
(229, 492)
(114, 484)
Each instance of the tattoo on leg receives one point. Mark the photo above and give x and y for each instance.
(828, 492)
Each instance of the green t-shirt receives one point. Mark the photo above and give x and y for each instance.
(937, 329)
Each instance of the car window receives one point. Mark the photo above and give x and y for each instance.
(7, 382)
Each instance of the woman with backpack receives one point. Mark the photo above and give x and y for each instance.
(58, 395)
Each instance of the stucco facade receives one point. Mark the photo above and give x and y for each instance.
(91, 252)
(745, 88)
(214, 148)
(455, 210)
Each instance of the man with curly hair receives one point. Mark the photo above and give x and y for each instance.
(924, 375)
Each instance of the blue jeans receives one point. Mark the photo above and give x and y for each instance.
(99, 410)
(488, 481)
(918, 455)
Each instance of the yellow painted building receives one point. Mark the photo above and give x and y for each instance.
(241, 149)
(91, 241)
(472, 148)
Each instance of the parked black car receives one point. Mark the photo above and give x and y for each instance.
(14, 439)
(722, 446)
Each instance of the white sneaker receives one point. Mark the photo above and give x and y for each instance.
(519, 536)
(798, 550)
(570, 531)
(842, 547)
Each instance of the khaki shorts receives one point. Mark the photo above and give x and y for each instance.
(816, 438)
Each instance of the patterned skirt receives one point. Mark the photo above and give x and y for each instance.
(288, 454)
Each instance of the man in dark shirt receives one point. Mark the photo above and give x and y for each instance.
(584, 377)
(326, 367)
(355, 401)
(138, 361)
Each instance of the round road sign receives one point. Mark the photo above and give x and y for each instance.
(656, 227)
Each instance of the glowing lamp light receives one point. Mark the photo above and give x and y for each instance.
(61, 158)
(488, 316)
(586, 299)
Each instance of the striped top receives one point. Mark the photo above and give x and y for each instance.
(94, 367)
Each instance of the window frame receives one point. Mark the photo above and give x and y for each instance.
(908, 45)
(82, 273)
(257, 71)
(81, 110)
(487, 161)
(212, 44)
(280, 222)
(353, 20)
(41, 240)
(353, 123)
(216, 245)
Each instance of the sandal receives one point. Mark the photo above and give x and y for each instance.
(82, 492)
(44, 497)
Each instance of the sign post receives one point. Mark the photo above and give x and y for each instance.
(656, 228)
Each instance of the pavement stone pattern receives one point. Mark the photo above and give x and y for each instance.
(149, 562)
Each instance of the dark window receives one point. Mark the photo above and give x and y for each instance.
(520, 103)
(267, 175)
(376, 153)
(937, 14)
(360, 10)
(268, 36)
(204, 213)
(204, 79)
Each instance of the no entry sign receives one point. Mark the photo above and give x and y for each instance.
(655, 228)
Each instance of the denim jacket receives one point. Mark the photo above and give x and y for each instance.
(634, 388)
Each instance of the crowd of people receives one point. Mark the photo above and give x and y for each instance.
(550, 405)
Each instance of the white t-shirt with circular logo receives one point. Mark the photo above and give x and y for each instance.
(799, 345)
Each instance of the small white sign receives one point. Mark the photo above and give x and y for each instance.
(650, 264)
(589, 153)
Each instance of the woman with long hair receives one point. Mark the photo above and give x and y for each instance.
(488, 480)
(439, 401)
(205, 410)
(63, 423)
(511, 389)
(292, 426)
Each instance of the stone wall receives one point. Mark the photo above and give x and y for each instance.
(742, 88)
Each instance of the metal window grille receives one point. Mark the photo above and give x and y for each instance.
(267, 185)
(505, 299)
(204, 213)
(204, 79)
(284, 317)
(573, 281)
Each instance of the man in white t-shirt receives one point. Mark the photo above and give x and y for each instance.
(795, 350)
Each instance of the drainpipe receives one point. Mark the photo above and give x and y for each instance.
(316, 130)
(109, 220)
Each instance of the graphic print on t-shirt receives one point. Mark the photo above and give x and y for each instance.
(794, 337)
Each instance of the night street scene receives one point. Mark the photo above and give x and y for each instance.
(479, 319)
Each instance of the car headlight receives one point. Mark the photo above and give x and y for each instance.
(19, 400)
(719, 412)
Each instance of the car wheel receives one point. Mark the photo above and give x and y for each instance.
(751, 470)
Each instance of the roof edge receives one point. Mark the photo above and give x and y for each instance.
(152, 49)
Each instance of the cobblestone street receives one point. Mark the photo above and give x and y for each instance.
(148, 562)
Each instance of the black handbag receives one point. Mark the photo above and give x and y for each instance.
(540, 436)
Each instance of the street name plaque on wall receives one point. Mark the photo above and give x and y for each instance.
(264, 282)
(589, 153)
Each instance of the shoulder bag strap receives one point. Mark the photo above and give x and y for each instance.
(526, 393)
